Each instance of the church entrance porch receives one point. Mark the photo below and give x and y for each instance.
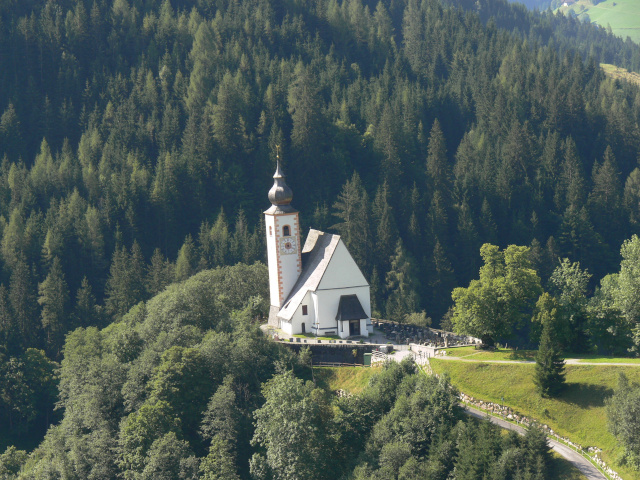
(354, 328)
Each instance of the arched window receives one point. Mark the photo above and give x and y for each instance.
(286, 231)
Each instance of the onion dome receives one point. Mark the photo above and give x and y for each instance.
(280, 194)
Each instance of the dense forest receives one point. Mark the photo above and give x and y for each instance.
(138, 138)
(173, 391)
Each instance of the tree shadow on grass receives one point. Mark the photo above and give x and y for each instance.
(585, 395)
(559, 468)
(522, 355)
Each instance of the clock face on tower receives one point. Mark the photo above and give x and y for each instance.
(288, 245)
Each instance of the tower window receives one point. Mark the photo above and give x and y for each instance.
(304, 310)
(286, 230)
(270, 231)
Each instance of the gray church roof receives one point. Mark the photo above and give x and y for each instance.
(316, 255)
(350, 308)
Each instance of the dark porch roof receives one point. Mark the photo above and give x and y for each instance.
(350, 308)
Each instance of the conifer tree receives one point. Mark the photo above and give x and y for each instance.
(203, 55)
(23, 303)
(352, 208)
(385, 227)
(438, 173)
(219, 237)
(86, 313)
(442, 280)
(549, 374)
(160, 273)
(240, 242)
(632, 197)
(54, 297)
(402, 285)
(9, 334)
(125, 285)
(187, 260)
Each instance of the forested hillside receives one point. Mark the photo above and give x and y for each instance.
(186, 387)
(138, 140)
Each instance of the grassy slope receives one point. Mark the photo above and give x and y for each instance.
(470, 353)
(620, 73)
(351, 379)
(624, 16)
(499, 354)
(578, 413)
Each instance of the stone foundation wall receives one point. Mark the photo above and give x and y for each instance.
(334, 352)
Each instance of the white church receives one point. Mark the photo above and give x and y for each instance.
(318, 288)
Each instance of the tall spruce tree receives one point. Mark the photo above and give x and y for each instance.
(549, 374)
(54, 297)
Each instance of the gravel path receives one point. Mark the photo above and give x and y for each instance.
(568, 361)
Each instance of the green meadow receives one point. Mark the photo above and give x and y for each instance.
(578, 413)
(622, 15)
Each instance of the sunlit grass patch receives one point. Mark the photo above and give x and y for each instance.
(351, 379)
(578, 413)
(498, 354)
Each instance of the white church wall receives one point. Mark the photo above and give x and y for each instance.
(272, 259)
(342, 271)
(284, 269)
(328, 302)
(287, 327)
(298, 318)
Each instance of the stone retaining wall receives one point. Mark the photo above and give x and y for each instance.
(334, 352)
(509, 414)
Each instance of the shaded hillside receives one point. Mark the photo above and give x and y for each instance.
(138, 142)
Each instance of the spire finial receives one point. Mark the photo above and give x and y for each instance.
(278, 161)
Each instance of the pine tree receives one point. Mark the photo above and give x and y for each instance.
(240, 243)
(442, 281)
(125, 285)
(384, 226)
(549, 374)
(9, 334)
(23, 303)
(219, 237)
(202, 55)
(54, 297)
(352, 208)
(187, 260)
(632, 197)
(402, 285)
(438, 218)
(605, 199)
(160, 273)
(438, 173)
(86, 313)
(387, 142)
(570, 189)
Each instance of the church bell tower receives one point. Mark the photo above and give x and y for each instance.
(283, 243)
